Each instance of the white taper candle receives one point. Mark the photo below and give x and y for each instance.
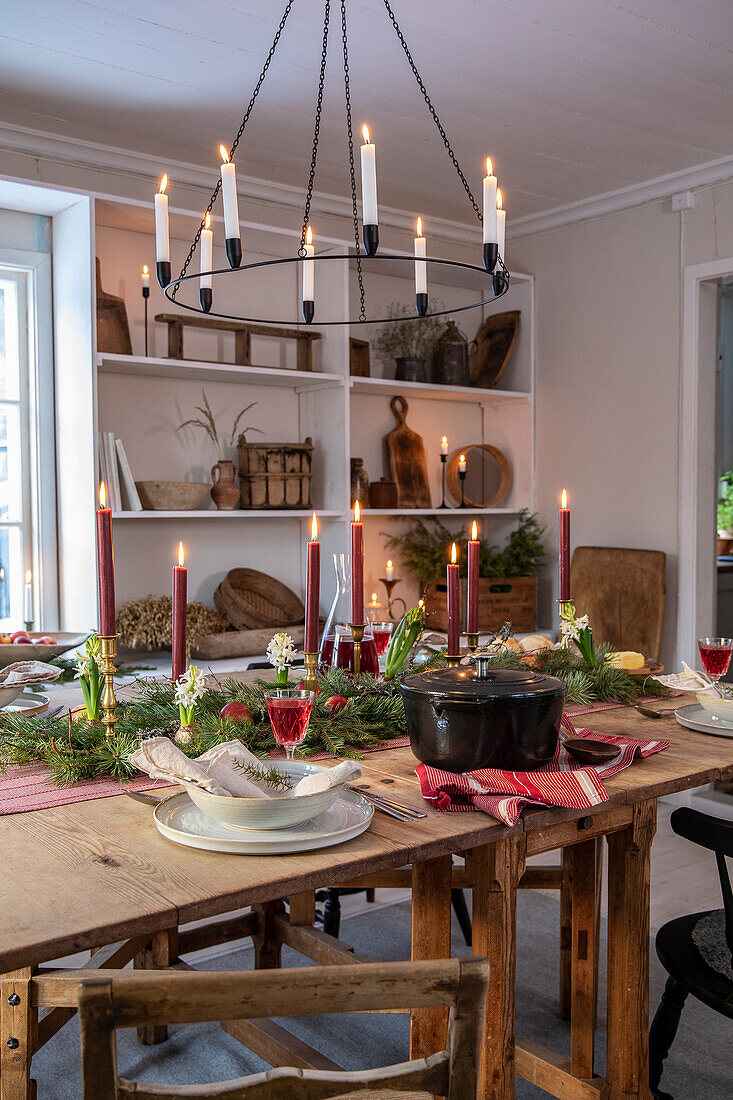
(370, 214)
(501, 224)
(229, 195)
(421, 267)
(490, 224)
(309, 266)
(162, 239)
(207, 252)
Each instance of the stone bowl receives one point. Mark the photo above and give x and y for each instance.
(172, 496)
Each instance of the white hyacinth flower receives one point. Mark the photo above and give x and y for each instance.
(82, 664)
(189, 688)
(281, 651)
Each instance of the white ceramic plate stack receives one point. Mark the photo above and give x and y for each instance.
(695, 716)
(264, 826)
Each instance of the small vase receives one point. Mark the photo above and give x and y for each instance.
(225, 492)
(450, 362)
(411, 370)
(359, 483)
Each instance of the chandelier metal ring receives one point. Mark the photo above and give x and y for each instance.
(498, 281)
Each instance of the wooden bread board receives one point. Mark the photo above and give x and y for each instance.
(239, 643)
(407, 463)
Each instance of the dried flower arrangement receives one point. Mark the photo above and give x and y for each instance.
(208, 424)
(145, 623)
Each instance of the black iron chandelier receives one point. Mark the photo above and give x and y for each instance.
(491, 216)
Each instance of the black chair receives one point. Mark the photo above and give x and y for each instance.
(696, 950)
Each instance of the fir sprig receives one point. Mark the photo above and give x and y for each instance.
(270, 776)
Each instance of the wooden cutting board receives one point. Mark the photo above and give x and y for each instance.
(407, 463)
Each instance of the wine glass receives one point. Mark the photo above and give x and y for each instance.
(290, 712)
(715, 654)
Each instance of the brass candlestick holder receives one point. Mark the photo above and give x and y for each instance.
(452, 659)
(107, 657)
(472, 640)
(357, 633)
(310, 660)
(562, 605)
(393, 600)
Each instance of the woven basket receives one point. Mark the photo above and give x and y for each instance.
(251, 600)
(275, 475)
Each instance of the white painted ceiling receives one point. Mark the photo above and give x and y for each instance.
(571, 97)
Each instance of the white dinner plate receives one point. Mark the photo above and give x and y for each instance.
(179, 820)
(27, 703)
(695, 717)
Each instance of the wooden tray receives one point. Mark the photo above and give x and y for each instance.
(239, 643)
(489, 352)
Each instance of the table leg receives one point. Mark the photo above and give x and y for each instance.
(159, 955)
(627, 1059)
(496, 870)
(18, 1023)
(583, 956)
(431, 912)
(302, 908)
(266, 941)
(566, 933)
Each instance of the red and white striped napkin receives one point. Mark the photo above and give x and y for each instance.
(561, 782)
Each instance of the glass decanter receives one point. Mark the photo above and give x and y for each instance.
(337, 643)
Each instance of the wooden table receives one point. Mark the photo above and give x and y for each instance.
(94, 873)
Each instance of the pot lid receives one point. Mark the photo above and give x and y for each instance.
(466, 682)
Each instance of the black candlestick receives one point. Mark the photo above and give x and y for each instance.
(146, 295)
(491, 255)
(163, 273)
(421, 304)
(462, 478)
(206, 298)
(309, 310)
(443, 460)
(233, 247)
(370, 236)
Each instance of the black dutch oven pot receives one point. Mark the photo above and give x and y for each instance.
(465, 718)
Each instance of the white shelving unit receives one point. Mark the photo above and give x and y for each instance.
(144, 400)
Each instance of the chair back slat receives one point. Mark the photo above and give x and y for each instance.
(150, 997)
(716, 834)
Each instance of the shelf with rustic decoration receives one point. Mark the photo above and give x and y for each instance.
(204, 371)
(425, 391)
(235, 513)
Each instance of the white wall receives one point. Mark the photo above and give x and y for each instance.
(608, 328)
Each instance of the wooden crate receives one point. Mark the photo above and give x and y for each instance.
(500, 600)
(275, 475)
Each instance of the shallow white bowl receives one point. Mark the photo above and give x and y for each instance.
(7, 694)
(9, 654)
(720, 708)
(267, 813)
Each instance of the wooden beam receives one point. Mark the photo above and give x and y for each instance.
(216, 932)
(551, 1072)
(583, 958)
(18, 1020)
(313, 943)
(275, 1045)
(302, 908)
(432, 882)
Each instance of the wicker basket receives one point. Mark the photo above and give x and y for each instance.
(275, 475)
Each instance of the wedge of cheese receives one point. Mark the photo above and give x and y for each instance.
(627, 659)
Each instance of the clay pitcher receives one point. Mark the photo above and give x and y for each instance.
(225, 492)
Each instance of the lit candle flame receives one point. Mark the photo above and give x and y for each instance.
(28, 576)
(365, 134)
(564, 498)
(489, 167)
(309, 235)
(462, 458)
(499, 199)
(224, 154)
(207, 220)
(421, 603)
(357, 511)
(419, 227)
(453, 554)
(145, 269)
(181, 555)
(102, 495)
(389, 564)
(474, 530)
(444, 441)
(375, 599)
(163, 185)
(314, 527)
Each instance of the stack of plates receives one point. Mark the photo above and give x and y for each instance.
(695, 717)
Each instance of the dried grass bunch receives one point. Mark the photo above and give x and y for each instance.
(145, 623)
(208, 424)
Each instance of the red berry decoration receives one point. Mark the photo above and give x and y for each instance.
(238, 712)
(335, 704)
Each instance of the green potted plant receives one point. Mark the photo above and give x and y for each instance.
(725, 511)
(409, 342)
(507, 576)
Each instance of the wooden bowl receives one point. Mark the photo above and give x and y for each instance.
(65, 641)
(172, 496)
(252, 600)
(587, 751)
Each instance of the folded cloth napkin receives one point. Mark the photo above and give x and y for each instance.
(28, 672)
(221, 770)
(561, 782)
(688, 680)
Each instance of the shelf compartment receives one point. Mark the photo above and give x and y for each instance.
(235, 513)
(405, 513)
(216, 372)
(426, 391)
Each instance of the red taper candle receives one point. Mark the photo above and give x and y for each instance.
(312, 590)
(105, 566)
(454, 605)
(472, 597)
(564, 548)
(357, 569)
(180, 586)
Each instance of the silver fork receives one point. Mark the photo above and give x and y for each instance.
(386, 803)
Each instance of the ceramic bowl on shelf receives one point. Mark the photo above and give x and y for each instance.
(279, 812)
(172, 496)
(715, 705)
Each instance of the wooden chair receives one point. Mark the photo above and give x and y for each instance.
(688, 969)
(144, 999)
(623, 592)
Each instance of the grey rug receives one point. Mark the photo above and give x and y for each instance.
(699, 1064)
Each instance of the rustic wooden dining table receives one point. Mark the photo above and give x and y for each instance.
(98, 875)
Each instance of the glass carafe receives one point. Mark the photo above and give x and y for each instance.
(337, 643)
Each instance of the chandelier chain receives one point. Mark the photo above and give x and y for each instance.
(316, 130)
(432, 110)
(235, 143)
(352, 174)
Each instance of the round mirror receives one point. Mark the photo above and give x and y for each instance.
(488, 475)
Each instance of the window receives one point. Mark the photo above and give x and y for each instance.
(27, 499)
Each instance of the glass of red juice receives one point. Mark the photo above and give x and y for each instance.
(290, 711)
(715, 654)
(382, 633)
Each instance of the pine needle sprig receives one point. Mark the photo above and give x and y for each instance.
(270, 776)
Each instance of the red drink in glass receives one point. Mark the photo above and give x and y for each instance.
(382, 633)
(338, 652)
(289, 711)
(715, 654)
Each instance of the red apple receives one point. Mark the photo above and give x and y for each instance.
(335, 704)
(21, 639)
(238, 712)
(46, 640)
(19, 634)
